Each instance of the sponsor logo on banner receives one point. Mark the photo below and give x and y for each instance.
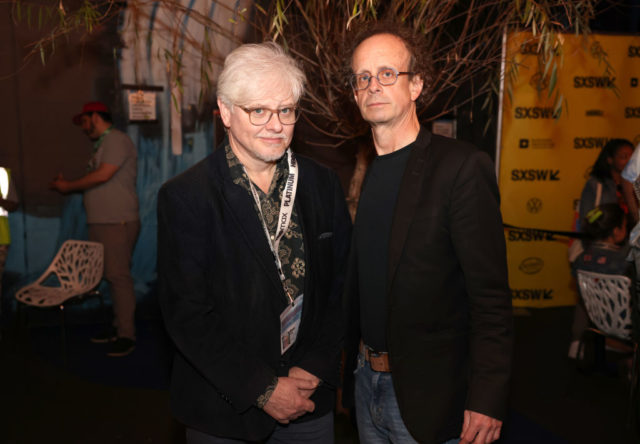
(524, 235)
(534, 112)
(589, 142)
(632, 112)
(529, 48)
(633, 51)
(594, 113)
(594, 82)
(531, 265)
(536, 144)
(532, 293)
(535, 175)
(534, 205)
(539, 82)
(634, 82)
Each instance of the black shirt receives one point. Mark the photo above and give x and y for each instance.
(372, 230)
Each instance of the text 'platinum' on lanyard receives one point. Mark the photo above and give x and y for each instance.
(284, 218)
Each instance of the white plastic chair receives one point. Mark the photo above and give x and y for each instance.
(74, 273)
(607, 298)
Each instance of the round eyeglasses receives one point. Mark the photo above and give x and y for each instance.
(261, 116)
(385, 77)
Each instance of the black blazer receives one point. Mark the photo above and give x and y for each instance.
(449, 330)
(221, 296)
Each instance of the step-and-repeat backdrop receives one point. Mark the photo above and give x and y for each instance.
(544, 160)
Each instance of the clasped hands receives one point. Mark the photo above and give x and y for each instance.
(290, 398)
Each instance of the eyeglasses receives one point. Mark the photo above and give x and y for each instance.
(261, 116)
(385, 77)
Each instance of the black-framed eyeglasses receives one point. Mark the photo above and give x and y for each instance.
(261, 116)
(385, 77)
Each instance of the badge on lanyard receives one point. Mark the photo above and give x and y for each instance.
(290, 324)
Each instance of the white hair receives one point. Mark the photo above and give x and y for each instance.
(251, 70)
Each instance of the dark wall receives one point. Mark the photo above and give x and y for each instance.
(38, 102)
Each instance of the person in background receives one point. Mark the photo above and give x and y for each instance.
(252, 246)
(605, 181)
(8, 202)
(604, 186)
(111, 203)
(605, 248)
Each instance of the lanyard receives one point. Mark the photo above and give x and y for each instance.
(284, 218)
(96, 145)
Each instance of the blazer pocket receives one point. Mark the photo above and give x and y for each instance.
(325, 235)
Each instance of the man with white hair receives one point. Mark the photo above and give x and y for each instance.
(252, 243)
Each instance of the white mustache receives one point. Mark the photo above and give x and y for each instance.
(273, 136)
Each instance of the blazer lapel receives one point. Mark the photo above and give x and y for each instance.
(240, 205)
(408, 198)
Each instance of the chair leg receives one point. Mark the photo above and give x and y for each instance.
(63, 337)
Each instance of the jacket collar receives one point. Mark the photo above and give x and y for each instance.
(408, 199)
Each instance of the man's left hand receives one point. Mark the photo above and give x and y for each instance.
(297, 372)
(59, 184)
(479, 428)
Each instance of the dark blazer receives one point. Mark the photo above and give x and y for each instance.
(221, 296)
(449, 330)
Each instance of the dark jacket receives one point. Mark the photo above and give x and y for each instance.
(449, 327)
(221, 296)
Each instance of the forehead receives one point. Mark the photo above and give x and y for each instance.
(268, 91)
(379, 51)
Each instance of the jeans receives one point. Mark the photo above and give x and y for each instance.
(377, 412)
(316, 431)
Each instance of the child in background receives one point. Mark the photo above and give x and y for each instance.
(606, 252)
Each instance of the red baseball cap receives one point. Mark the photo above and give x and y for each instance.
(88, 108)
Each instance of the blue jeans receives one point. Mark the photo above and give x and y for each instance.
(377, 412)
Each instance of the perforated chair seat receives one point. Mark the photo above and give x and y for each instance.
(607, 298)
(75, 270)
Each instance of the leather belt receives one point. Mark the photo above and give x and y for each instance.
(379, 361)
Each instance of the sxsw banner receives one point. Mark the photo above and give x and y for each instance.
(544, 161)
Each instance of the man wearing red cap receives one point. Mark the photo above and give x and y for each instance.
(111, 203)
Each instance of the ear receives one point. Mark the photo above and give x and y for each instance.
(225, 113)
(415, 86)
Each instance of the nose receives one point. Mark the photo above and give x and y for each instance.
(274, 123)
(373, 88)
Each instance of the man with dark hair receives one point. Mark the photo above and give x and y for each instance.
(430, 323)
(111, 203)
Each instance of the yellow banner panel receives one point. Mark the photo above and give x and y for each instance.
(545, 159)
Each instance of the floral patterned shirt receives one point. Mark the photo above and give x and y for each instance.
(291, 248)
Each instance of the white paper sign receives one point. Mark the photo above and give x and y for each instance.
(142, 105)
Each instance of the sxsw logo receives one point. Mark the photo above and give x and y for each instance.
(589, 142)
(524, 143)
(594, 113)
(530, 236)
(594, 82)
(532, 294)
(535, 112)
(633, 51)
(532, 175)
(632, 112)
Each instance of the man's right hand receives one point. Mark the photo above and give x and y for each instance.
(287, 401)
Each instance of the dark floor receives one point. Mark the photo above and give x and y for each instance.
(94, 399)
